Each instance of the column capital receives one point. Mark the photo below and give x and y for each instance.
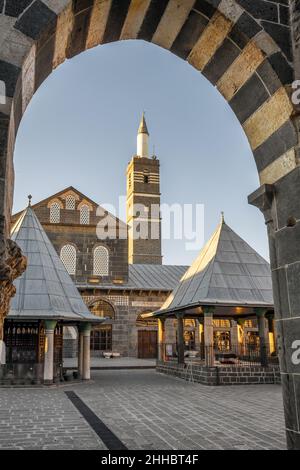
(162, 319)
(179, 315)
(260, 312)
(85, 327)
(50, 324)
(270, 315)
(208, 310)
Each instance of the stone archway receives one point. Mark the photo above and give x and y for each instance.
(246, 49)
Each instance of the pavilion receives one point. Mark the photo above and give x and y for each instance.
(46, 301)
(228, 281)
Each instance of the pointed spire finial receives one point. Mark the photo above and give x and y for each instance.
(143, 126)
(222, 217)
(29, 200)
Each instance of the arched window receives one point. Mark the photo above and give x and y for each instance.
(102, 309)
(101, 261)
(70, 202)
(85, 215)
(55, 213)
(101, 336)
(68, 257)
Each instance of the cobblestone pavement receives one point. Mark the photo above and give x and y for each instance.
(145, 410)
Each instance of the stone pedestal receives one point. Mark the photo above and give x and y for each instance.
(49, 351)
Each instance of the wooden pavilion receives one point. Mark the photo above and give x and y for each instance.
(228, 281)
(46, 301)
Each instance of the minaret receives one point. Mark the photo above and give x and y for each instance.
(143, 203)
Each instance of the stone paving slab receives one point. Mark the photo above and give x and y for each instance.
(145, 410)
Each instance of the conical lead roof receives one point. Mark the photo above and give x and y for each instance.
(45, 290)
(143, 129)
(227, 271)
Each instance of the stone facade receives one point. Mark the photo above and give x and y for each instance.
(84, 236)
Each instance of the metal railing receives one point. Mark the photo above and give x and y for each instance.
(237, 355)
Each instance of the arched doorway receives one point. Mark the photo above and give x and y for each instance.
(249, 59)
(147, 338)
(102, 335)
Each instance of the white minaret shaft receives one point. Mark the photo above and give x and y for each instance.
(143, 139)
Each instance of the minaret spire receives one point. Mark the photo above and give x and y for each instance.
(143, 139)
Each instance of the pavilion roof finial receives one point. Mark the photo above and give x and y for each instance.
(222, 218)
(29, 200)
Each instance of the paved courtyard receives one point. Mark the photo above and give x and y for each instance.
(143, 410)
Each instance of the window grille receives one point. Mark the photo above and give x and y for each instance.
(85, 215)
(55, 213)
(70, 202)
(101, 261)
(68, 257)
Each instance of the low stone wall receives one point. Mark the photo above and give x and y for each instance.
(222, 375)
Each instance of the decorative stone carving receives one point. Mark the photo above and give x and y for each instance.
(12, 265)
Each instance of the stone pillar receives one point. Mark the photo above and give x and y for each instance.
(2, 353)
(272, 333)
(80, 352)
(85, 329)
(234, 342)
(49, 351)
(161, 343)
(263, 336)
(201, 338)
(280, 204)
(241, 335)
(180, 339)
(209, 338)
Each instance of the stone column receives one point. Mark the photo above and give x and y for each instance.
(272, 332)
(241, 335)
(263, 336)
(180, 339)
(161, 339)
(198, 327)
(234, 342)
(280, 204)
(49, 351)
(209, 338)
(85, 329)
(80, 352)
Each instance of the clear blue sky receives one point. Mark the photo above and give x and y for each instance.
(80, 129)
